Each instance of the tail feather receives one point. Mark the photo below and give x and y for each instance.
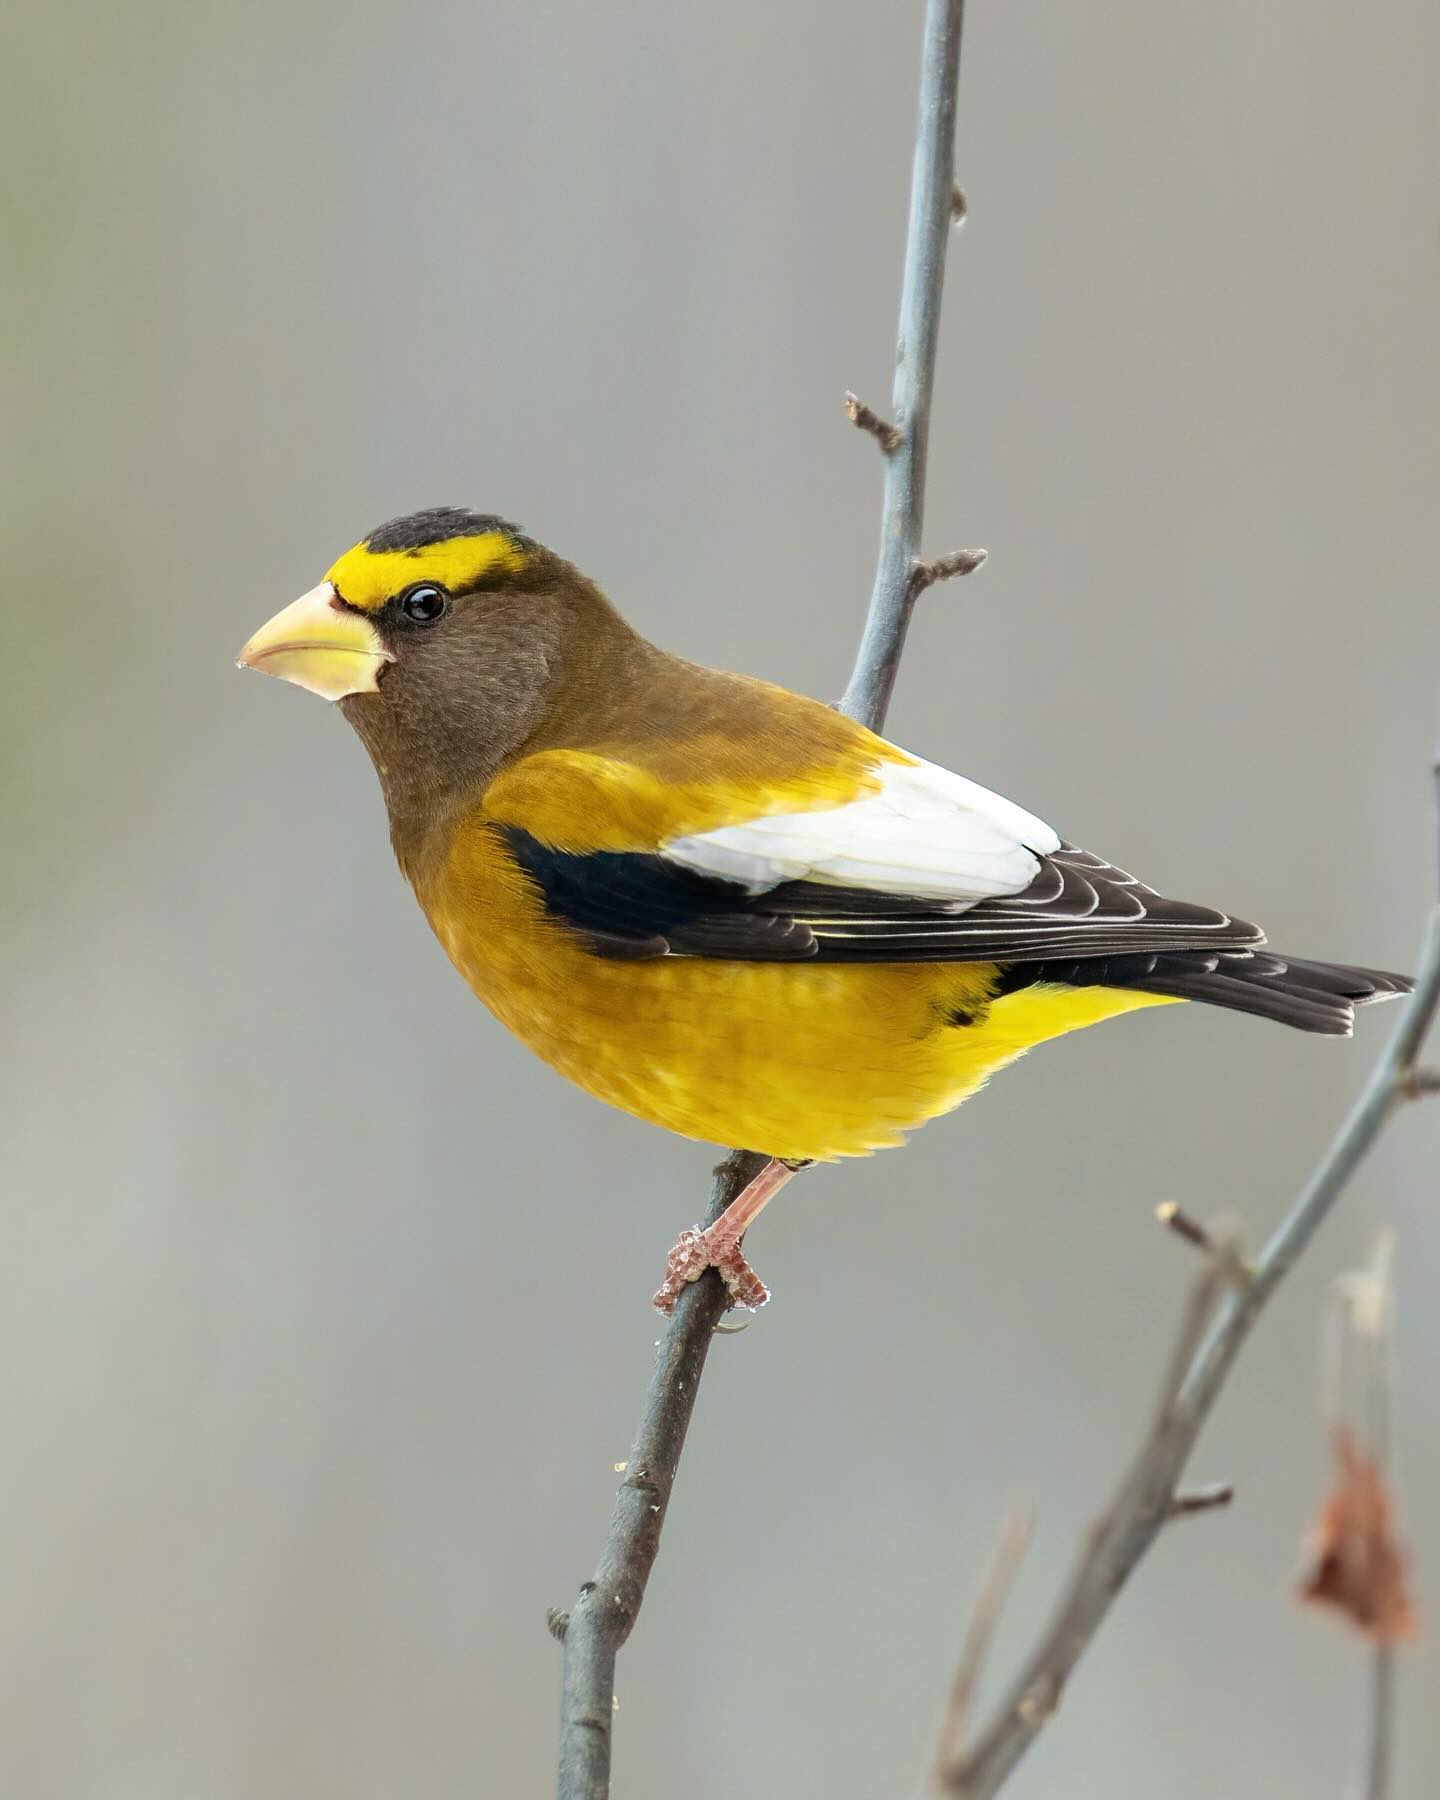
(1311, 996)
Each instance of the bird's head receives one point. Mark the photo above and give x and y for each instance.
(443, 636)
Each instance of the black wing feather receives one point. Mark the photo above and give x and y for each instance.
(1081, 922)
(1077, 905)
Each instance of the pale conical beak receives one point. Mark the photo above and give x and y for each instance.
(320, 645)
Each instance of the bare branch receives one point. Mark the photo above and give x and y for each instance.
(1357, 1566)
(1036, 1691)
(867, 419)
(605, 1612)
(606, 1609)
(932, 191)
(1213, 1332)
(1382, 1722)
(989, 1604)
(1210, 1239)
(1198, 1315)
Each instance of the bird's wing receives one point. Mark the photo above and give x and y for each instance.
(926, 866)
(924, 834)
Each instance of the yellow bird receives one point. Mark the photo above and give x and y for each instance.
(718, 905)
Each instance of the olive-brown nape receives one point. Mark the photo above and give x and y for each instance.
(449, 545)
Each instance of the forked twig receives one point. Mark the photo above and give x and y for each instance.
(1219, 1316)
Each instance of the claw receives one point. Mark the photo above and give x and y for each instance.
(717, 1246)
(696, 1251)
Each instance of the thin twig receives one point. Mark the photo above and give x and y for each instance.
(1015, 1538)
(605, 1612)
(1189, 1501)
(1145, 1498)
(1378, 1316)
(865, 418)
(1034, 1699)
(1382, 1722)
(1195, 1321)
(1211, 1239)
(1036, 1694)
(932, 191)
(1357, 1565)
(1174, 1218)
(603, 1616)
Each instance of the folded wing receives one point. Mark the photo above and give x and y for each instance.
(930, 868)
(924, 835)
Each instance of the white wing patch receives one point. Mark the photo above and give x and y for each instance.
(926, 834)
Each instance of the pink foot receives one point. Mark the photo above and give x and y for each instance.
(719, 1249)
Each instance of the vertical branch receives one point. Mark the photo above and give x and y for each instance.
(605, 1613)
(1382, 1722)
(1357, 1564)
(1375, 1419)
(606, 1610)
(932, 201)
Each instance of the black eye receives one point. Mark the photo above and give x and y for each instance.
(424, 603)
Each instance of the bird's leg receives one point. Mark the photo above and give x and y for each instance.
(718, 1246)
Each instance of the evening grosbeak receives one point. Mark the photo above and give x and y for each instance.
(725, 908)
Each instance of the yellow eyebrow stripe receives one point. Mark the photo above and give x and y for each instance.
(367, 578)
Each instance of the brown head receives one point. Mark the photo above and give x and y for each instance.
(445, 637)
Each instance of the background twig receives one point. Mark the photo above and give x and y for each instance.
(1145, 1499)
(605, 1612)
(1356, 1561)
(984, 1617)
(1382, 1722)
(1374, 1318)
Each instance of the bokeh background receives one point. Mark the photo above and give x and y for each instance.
(322, 1307)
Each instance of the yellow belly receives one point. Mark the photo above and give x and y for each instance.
(800, 1060)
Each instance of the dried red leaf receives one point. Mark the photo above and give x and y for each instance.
(1355, 1564)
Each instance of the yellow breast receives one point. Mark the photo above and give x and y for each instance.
(800, 1060)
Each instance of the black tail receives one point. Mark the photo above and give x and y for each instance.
(1311, 996)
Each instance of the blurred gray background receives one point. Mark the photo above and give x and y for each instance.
(323, 1308)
